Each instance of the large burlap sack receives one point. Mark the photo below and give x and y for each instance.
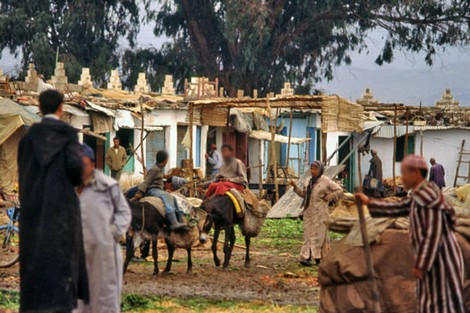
(343, 276)
(254, 218)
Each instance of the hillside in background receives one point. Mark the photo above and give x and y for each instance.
(408, 86)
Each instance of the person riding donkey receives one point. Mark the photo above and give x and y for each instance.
(153, 186)
(232, 179)
(232, 174)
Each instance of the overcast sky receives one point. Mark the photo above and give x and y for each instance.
(407, 80)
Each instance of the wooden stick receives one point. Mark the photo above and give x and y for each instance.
(394, 151)
(288, 141)
(191, 163)
(367, 251)
(273, 150)
(407, 132)
(142, 138)
(324, 153)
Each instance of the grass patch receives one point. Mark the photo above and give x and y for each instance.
(136, 303)
(9, 299)
(146, 304)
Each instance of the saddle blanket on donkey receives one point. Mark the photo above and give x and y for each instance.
(251, 211)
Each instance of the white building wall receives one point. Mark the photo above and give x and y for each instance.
(138, 168)
(384, 147)
(204, 131)
(170, 120)
(443, 145)
(332, 143)
(218, 137)
(255, 159)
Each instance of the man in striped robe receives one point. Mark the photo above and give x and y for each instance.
(439, 260)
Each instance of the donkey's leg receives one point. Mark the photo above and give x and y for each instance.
(190, 261)
(214, 245)
(155, 255)
(227, 244)
(171, 251)
(233, 238)
(129, 251)
(247, 256)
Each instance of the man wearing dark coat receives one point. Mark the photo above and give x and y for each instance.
(52, 264)
(375, 170)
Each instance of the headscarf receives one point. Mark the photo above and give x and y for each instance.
(313, 181)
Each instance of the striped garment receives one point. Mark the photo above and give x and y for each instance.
(438, 255)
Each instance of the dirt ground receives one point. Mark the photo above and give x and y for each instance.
(274, 277)
(268, 279)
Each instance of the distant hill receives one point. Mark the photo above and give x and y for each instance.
(402, 85)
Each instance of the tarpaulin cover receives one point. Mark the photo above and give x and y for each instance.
(8, 164)
(123, 119)
(101, 123)
(343, 275)
(12, 119)
(290, 204)
(264, 135)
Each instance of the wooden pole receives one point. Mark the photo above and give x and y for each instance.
(365, 242)
(324, 155)
(394, 150)
(191, 117)
(288, 141)
(260, 173)
(142, 138)
(407, 132)
(191, 164)
(421, 143)
(359, 171)
(273, 149)
(228, 118)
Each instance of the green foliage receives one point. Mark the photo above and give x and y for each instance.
(176, 59)
(87, 33)
(139, 303)
(262, 43)
(9, 299)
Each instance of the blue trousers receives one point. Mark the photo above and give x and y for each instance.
(169, 201)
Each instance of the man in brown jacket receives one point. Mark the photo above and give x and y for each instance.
(116, 159)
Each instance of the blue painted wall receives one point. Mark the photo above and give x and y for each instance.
(303, 125)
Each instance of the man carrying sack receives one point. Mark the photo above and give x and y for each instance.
(439, 260)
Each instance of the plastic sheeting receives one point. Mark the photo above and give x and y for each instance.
(12, 119)
(123, 119)
(290, 204)
(101, 123)
(8, 164)
(264, 135)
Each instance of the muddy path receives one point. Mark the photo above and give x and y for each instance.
(271, 278)
(274, 276)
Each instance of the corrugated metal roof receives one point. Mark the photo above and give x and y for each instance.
(387, 131)
(74, 110)
(372, 124)
(264, 135)
(441, 127)
(123, 119)
(98, 108)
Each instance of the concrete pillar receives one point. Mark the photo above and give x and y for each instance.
(204, 131)
(218, 137)
(171, 139)
(194, 144)
(138, 168)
